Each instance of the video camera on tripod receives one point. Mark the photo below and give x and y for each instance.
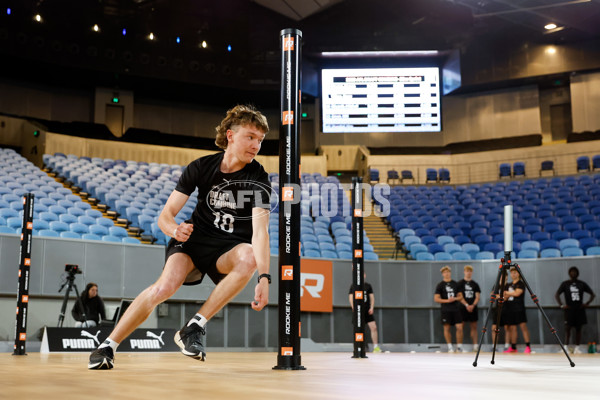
(73, 269)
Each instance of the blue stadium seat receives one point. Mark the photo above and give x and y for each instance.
(310, 245)
(112, 239)
(519, 168)
(572, 252)
(528, 254)
(504, 171)
(452, 248)
(461, 255)
(566, 243)
(7, 229)
(591, 251)
(426, 256)
(583, 164)
(484, 255)
(369, 255)
(443, 256)
(586, 243)
(550, 253)
(70, 235)
(48, 233)
(345, 255)
(548, 244)
(416, 248)
(58, 226)
(130, 240)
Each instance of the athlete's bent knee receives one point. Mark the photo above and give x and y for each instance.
(247, 262)
(161, 292)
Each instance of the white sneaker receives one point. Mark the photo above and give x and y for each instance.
(465, 350)
(577, 350)
(450, 349)
(475, 347)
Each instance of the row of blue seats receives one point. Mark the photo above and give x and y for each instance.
(523, 254)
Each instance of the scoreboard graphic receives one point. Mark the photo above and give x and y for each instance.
(381, 100)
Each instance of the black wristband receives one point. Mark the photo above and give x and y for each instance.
(264, 276)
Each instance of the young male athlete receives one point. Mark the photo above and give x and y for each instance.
(226, 238)
(447, 294)
(575, 317)
(369, 299)
(513, 312)
(468, 305)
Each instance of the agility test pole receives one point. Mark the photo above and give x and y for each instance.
(24, 267)
(359, 311)
(288, 355)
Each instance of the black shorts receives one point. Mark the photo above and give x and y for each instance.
(513, 317)
(451, 317)
(469, 316)
(204, 256)
(575, 317)
(370, 317)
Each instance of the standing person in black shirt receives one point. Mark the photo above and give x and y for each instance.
(369, 299)
(93, 307)
(226, 237)
(575, 317)
(468, 305)
(513, 312)
(447, 294)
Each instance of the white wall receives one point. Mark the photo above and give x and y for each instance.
(585, 102)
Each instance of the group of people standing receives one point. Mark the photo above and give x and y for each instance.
(459, 302)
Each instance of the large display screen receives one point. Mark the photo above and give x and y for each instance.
(381, 100)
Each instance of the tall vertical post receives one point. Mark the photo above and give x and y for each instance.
(24, 267)
(358, 284)
(288, 356)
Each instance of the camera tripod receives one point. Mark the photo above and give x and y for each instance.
(70, 283)
(498, 296)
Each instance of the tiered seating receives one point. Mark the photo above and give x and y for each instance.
(135, 192)
(57, 211)
(321, 236)
(552, 218)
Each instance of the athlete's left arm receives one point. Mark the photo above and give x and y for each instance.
(477, 297)
(260, 247)
(592, 296)
(372, 300)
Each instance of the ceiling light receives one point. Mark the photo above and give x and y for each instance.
(551, 25)
(151, 36)
(96, 28)
(38, 17)
(204, 44)
(124, 31)
(551, 50)
(178, 39)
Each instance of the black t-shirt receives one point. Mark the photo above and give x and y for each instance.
(225, 200)
(573, 291)
(515, 303)
(368, 289)
(468, 289)
(447, 290)
(94, 309)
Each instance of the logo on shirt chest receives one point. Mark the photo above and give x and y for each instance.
(233, 196)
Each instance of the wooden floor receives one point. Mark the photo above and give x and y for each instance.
(170, 376)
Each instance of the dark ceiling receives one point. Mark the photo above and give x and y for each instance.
(65, 37)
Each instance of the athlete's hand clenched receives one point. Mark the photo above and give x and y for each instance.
(183, 231)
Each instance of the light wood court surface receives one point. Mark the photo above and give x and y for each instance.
(171, 376)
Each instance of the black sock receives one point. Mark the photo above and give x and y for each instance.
(513, 346)
(528, 344)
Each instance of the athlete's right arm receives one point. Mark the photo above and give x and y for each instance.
(166, 220)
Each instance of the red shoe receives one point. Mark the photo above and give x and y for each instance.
(510, 350)
(527, 350)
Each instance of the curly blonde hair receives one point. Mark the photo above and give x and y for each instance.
(238, 116)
